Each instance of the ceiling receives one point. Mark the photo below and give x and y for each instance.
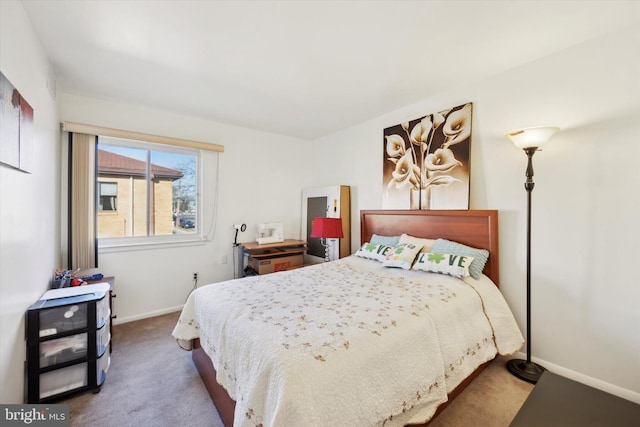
(301, 68)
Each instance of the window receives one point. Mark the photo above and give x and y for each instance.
(147, 192)
(108, 196)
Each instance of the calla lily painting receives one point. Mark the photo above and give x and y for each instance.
(426, 161)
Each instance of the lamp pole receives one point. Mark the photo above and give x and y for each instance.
(528, 186)
(530, 140)
(526, 369)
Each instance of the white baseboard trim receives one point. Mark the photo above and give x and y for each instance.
(623, 393)
(119, 320)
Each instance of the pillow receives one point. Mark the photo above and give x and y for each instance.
(453, 265)
(402, 256)
(372, 251)
(377, 239)
(425, 243)
(480, 256)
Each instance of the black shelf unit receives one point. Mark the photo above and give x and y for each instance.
(68, 334)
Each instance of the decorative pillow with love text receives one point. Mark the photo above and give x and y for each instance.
(373, 251)
(402, 256)
(480, 256)
(453, 265)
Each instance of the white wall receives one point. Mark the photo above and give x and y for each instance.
(261, 179)
(586, 203)
(29, 203)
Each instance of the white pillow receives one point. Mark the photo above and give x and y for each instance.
(425, 243)
(454, 265)
(402, 256)
(373, 251)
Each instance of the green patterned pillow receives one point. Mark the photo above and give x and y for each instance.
(373, 251)
(454, 265)
(402, 256)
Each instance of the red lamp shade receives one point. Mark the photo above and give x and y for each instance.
(327, 228)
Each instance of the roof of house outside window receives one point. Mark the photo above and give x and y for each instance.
(115, 164)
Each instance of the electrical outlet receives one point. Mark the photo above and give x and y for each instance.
(223, 259)
(195, 276)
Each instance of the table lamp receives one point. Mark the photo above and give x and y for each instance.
(326, 228)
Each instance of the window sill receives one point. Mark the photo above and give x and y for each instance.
(119, 246)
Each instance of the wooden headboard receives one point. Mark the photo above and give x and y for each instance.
(477, 228)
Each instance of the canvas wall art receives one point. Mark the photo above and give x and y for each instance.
(16, 127)
(427, 161)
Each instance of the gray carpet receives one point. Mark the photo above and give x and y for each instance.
(152, 382)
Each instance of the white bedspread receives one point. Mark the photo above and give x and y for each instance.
(346, 343)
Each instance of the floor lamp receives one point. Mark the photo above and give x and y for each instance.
(326, 228)
(530, 140)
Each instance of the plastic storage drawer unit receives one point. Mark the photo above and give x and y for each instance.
(68, 335)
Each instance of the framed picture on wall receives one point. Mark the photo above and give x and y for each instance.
(427, 161)
(16, 127)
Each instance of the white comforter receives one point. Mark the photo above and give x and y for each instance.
(346, 343)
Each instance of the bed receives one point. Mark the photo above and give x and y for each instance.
(352, 342)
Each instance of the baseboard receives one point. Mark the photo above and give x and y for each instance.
(120, 320)
(623, 393)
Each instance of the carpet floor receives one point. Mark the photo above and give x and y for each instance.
(153, 382)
